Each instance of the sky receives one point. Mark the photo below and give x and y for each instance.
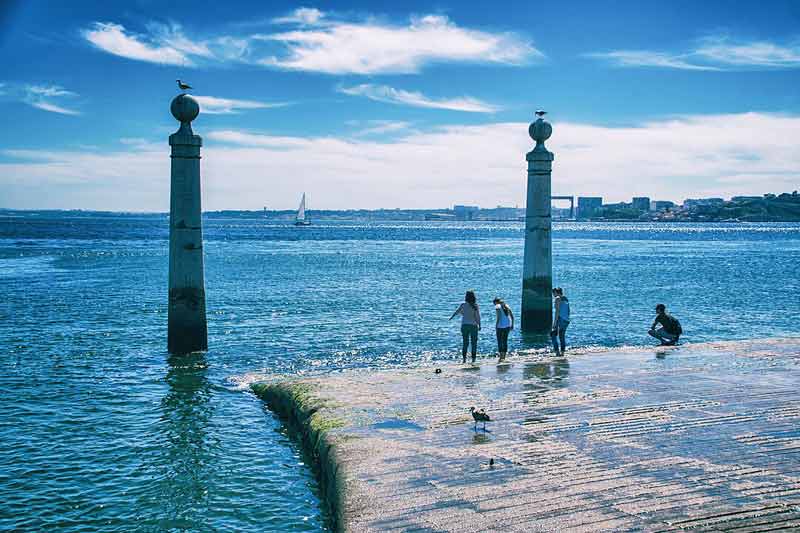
(396, 104)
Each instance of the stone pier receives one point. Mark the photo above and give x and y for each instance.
(694, 438)
(537, 275)
(187, 327)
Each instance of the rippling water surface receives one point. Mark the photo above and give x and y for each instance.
(101, 430)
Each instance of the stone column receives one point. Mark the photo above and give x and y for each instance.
(537, 275)
(187, 328)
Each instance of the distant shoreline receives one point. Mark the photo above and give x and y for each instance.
(345, 215)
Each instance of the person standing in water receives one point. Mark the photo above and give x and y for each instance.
(503, 325)
(560, 321)
(470, 324)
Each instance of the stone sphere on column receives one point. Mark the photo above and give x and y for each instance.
(540, 130)
(184, 108)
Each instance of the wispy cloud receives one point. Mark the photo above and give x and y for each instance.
(49, 91)
(53, 108)
(384, 93)
(301, 15)
(645, 58)
(378, 127)
(226, 106)
(711, 53)
(754, 53)
(317, 42)
(50, 98)
(482, 164)
(154, 48)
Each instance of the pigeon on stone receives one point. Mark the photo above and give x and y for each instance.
(479, 416)
(183, 86)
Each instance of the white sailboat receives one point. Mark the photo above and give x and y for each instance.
(301, 219)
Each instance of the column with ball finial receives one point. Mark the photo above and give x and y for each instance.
(187, 330)
(537, 275)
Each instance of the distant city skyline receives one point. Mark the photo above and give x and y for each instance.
(414, 105)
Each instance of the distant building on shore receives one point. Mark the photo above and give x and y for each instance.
(641, 203)
(501, 213)
(691, 203)
(588, 205)
(465, 212)
(439, 216)
(661, 205)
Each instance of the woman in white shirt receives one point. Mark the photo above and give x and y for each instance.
(503, 326)
(470, 324)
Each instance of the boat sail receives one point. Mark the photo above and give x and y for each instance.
(301, 219)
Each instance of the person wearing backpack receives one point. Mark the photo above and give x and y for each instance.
(670, 330)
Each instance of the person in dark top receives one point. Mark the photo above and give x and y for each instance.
(670, 329)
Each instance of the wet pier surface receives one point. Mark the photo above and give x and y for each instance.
(693, 438)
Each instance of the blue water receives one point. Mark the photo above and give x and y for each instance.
(102, 431)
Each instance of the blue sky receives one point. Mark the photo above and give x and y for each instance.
(401, 104)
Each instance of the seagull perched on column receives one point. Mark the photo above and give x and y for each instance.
(479, 416)
(183, 86)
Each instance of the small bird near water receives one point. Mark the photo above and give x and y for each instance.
(479, 416)
(183, 86)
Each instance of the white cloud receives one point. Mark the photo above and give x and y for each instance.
(54, 108)
(383, 93)
(48, 91)
(316, 42)
(302, 15)
(373, 48)
(756, 53)
(707, 155)
(378, 127)
(225, 106)
(712, 53)
(45, 97)
(114, 39)
(645, 58)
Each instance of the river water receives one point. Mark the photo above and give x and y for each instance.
(102, 430)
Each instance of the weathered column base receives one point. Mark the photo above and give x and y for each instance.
(536, 305)
(187, 330)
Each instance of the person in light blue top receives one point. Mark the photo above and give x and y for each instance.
(560, 321)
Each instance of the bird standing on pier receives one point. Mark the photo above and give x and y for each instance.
(479, 416)
(183, 86)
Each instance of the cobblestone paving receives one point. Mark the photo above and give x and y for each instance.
(693, 438)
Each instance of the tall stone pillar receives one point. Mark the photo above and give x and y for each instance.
(187, 328)
(537, 275)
